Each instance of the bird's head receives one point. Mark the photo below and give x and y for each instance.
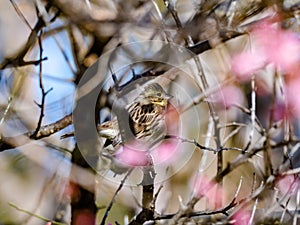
(155, 94)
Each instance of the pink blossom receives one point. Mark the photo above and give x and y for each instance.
(287, 183)
(246, 63)
(166, 152)
(204, 187)
(228, 96)
(130, 156)
(241, 217)
(280, 111)
(270, 44)
(281, 47)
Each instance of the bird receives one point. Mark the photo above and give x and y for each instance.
(146, 124)
(146, 117)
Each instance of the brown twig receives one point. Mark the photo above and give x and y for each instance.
(49, 129)
(252, 113)
(201, 75)
(114, 197)
(147, 213)
(223, 211)
(44, 93)
(44, 131)
(18, 59)
(202, 147)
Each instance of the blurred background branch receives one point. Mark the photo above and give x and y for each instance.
(234, 101)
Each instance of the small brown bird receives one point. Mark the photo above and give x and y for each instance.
(146, 117)
(146, 122)
(147, 112)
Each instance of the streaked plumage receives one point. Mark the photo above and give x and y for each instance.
(146, 122)
(146, 116)
(147, 111)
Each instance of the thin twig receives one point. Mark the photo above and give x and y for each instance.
(46, 187)
(74, 48)
(252, 112)
(202, 96)
(37, 216)
(49, 129)
(285, 209)
(7, 109)
(231, 12)
(147, 213)
(215, 150)
(242, 203)
(289, 192)
(162, 25)
(114, 197)
(44, 93)
(238, 189)
(253, 212)
(259, 128)
(203, 81)
(18, 59)
(296, 214)
(45, 131)
(205, 154)
(253, 183)
(223, 211)
(267, 153)
(231, 134)
(20, 14)
(156, 195)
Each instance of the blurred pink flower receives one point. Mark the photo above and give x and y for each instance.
(228, 96)
(280, 111)
(166, 152)
(271, 44)
(213, 192)
(130, 156)
(288, 183)
(246, 63)
(241, 217)
(281, 47)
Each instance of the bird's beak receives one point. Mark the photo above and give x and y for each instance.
(162, 103)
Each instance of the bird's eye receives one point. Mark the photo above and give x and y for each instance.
(158, 94)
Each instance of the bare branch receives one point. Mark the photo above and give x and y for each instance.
(44, 93)
(18, 59)
(114, 197)
(37, 216)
